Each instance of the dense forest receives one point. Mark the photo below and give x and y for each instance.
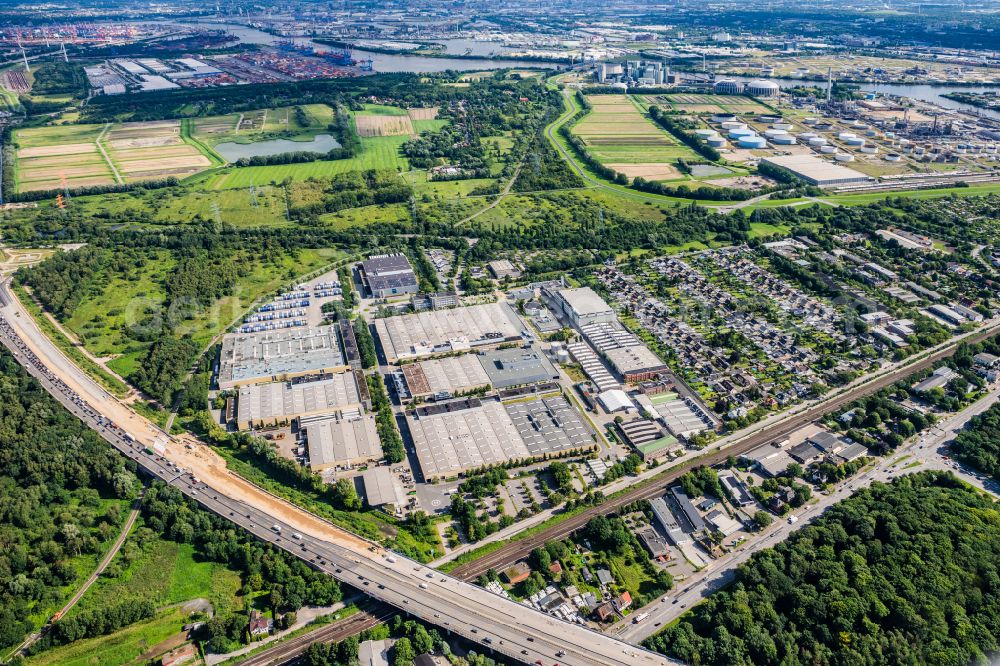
(906, 573)
(63, 495)
(56, 480)
(979, 444)
(208, 265)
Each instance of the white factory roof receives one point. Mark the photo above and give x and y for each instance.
(461, 435)
(153, 82)
(816, 170)
(584, 301)
(192, 63)
(615, 400)
(131, 67)
(455, 329)
(255, 357)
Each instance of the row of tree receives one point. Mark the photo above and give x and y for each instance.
(907, 573)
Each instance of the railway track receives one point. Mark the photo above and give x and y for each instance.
(372, 614)
(656, 486)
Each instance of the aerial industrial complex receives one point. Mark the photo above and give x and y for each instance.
(515, 352)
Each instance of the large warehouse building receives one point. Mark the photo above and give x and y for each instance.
(819, 172)
(626, 353)
(343, 439)
(584, 306)
(388, 275)
(455, 437)
(261, 405)
(507, 368)
(441, 331)
(255, 358)
(451, 374)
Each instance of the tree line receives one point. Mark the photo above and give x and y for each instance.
(907, 573)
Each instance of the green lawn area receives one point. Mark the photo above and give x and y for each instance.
(381, 110)
(100, 375)
(380, 152)
(428, 125)
(121, 647)
(359, 217)
(100, 317)
(178, 206)
(213, 130)
(165, 573)
(861, 199)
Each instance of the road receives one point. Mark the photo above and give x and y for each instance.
(471, 612)
(110, 555)
(920, 453)
(654, 482)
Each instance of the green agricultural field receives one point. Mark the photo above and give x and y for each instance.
(380, 110)
(259, 125)
(618, 134)
(708, 103)
(429, 125)
(36, 137)
(376, 153)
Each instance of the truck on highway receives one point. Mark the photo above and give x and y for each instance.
(276, 528)
(639, 618)
(128, 437)
(792, 520)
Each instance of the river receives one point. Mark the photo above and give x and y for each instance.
(386, 62)
(921, 91)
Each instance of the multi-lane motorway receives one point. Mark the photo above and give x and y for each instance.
(504, 626)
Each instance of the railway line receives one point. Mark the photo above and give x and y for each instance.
(291, 650)
(503, 626)
(657, 485)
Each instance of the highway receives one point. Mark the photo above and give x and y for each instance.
(922, 452)
(502, 625)
(654, 483)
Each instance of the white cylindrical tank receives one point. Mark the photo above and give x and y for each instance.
(844, 157)
(817, 141)
(754, 142)
(828, 150)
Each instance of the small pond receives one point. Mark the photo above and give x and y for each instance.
(231, 151)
